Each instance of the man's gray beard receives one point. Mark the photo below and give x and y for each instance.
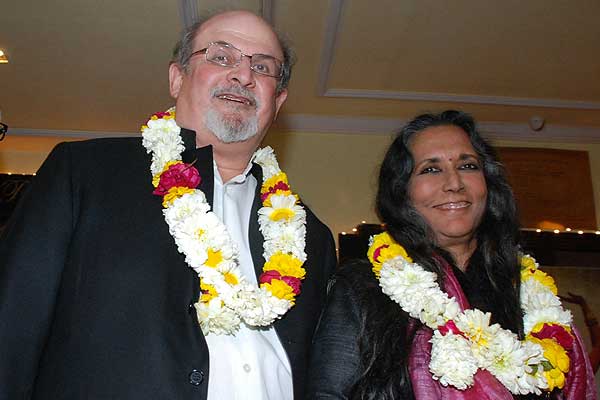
(230, 130)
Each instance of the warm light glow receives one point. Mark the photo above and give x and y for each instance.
(3, 58)
(597, 232)
(538, 230)
(364, 222)
(9, 173)
(354, 229)
(580, 232)
(556, 231)
(568, 229)
(343, 233)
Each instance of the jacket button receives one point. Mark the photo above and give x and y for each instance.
(196, 377)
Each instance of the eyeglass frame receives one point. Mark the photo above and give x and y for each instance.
(242, 54)
(3, 130)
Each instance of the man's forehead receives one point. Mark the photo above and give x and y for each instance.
(240, 29)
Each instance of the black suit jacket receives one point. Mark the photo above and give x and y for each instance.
(95, 299)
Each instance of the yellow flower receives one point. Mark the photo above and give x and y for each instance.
(286, 265)
(175, 193)
(528, 262)
(280, 289)
(541, 277)
(213, 258)
(384, 248)
(558, 362)
(230, 278)
(208, 292)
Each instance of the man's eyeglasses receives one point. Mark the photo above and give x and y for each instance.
(226, 55)
(3, 130)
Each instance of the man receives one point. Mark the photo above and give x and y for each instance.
(99, 295)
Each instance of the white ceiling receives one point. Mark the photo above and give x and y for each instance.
(101, 66)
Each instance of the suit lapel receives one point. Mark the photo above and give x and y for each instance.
(254, 236)
(202, 159)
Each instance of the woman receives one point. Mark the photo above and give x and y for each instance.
(448, 210)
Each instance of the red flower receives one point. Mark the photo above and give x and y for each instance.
(161, 114)
(278, 186)
(177, 175)
(293, 282)
(449, 326)
(268, 276)
(556, 332)
(377, 252)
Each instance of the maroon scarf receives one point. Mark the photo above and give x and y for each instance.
(579, 383)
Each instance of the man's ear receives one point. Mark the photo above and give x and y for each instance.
(279, 100)
(175, 79)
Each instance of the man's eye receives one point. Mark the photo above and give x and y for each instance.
(220, 58)
(262, 68)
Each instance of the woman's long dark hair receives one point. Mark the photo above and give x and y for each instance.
(493, 269)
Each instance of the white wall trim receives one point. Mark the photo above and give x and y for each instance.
(388, 126)
(332, 31)
(462, 98)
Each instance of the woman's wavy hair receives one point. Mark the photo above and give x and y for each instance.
(494, 263)
(493, 270)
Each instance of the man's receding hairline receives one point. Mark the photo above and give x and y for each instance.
(208, 19)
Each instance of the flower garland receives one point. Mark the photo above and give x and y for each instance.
(227, 298)
(464, 341)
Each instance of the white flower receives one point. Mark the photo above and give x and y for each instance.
(214, 318)
(283, 209)
(452, 362)
(285, 238)
(507, 359)
(556, 315)
(265, 157)
(475, 324)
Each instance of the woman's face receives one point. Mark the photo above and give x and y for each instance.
(447, 186)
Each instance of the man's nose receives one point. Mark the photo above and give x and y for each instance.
(242, 73)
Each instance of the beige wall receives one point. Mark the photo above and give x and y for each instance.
(336, 174)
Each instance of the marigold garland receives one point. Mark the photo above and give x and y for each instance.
(227, 298)
(464, 341)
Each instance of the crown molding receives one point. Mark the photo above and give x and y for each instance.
(332, 32)
(388, 126)
(311, 123)
(75, 134)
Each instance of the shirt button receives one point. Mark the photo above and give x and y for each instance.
(196, 377)
(247, 368)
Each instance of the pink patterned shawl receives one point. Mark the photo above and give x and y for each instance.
(579, 383)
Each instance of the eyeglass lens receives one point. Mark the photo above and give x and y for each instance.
(229, 56)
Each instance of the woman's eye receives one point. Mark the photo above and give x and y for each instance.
(473, 166)
(429, 170)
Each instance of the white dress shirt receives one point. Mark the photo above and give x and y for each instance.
(251, 364)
